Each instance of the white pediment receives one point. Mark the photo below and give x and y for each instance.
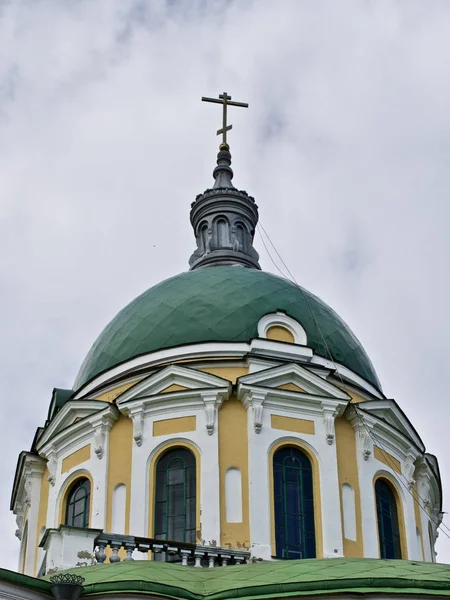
(174, 379)
(293, 378)
(390, 413)
(73, 413)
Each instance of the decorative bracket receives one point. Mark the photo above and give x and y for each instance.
(330, 412)
(52, 464)
(408, 471)
(213, 402)
(423, 483)
(102, 428)
(138, 424)
(366, 443)
(255, 400)
(330, 434)
(362, 431)
(19, 522)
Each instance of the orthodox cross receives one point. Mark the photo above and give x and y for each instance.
(225, 100)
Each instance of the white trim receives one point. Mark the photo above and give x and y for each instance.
(293, 373)
(280, 319)
(258, 349)
(389, 411)
(191, 379)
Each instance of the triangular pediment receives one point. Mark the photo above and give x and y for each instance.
(294, 378)
(291, 387)
(71, 414)
(389, 412)
(172, 380)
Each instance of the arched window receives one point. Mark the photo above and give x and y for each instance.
(241, 237)
(222, 234)
(175, 491)
(204, 237)
(78, 503)
(387, 516)
(294, 504)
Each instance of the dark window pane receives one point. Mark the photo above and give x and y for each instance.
(78, 503)
(160, 486)
(387, 517)
(176, 463)
(175, 476)
(175, 496)
(294, 505)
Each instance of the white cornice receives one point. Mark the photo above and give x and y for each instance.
(258, 348)
(389, 411)
(293, 373)
(154, 384)
(98, 415)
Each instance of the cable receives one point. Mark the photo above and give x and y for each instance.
(268, 252)
(326, 347)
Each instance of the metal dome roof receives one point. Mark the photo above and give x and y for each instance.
(221, 304)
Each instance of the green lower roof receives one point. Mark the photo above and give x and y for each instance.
(269, 579)
(220, 304)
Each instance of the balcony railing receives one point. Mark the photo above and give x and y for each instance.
(182, 552)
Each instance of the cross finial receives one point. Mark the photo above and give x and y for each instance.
(225, 100)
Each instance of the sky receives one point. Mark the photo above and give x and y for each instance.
(104, 144)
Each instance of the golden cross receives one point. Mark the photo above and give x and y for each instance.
(225, 100)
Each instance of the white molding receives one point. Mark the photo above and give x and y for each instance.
(280, 350)
(64, 420)
(389, 411)
(280, 319)
(169, 404)
(257, 350)
(63, 441)
(301, 376)
(154, 384)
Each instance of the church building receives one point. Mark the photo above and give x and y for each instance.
(226, 435)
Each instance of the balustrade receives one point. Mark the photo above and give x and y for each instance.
(184, 553)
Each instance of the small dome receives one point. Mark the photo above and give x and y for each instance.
(220, 304)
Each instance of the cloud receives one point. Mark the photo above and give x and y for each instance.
(104, 143)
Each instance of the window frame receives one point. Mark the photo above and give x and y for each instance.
(161, 531)
(70, 501)
(395, 516)
(306, 515)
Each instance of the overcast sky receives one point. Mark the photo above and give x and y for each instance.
(104, 143)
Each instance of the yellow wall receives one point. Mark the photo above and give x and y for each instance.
(229, 373)
(291, 387)
(292, 424)
(42, 513)
(111, 395)
(119, 467)
(316, 495)
(348, 473)
(173, 388)
(233, 452)
(76, 458)
(387, 459)
(280, 334)
(356, 398)
(175, 425)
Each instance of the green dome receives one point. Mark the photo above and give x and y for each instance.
(220, 304)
